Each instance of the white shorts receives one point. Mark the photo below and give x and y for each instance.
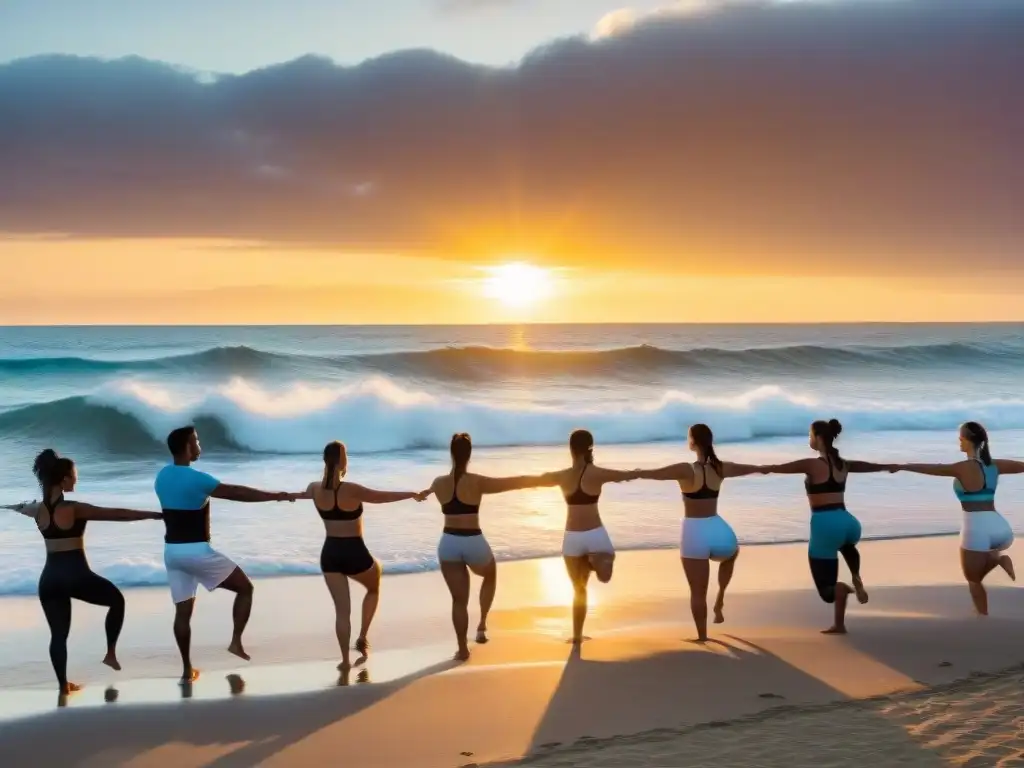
(985, 532)
(707, 538)
(189, 565)
(583, 543)
(471, 550)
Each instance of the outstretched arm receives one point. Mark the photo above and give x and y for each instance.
(936, 470)
(370, 496)
(489, 485)
(680, 471)
(1010, 466)
(798, 467)
(26, 508)
(617, 475)
(113, 514)
(867, 466)
(249, 495)
(740, 470)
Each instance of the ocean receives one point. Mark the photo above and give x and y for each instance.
(267, 399)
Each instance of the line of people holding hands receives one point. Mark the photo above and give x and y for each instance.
(185, 495)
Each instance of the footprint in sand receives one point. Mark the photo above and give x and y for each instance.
(770, 696)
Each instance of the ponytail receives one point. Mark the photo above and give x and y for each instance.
(461, 449)
(978, 436)
(335, 462)
(828, 432)
(704, 440)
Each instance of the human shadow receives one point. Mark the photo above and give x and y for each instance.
(259, 725)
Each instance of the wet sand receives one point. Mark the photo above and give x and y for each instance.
(911, 682)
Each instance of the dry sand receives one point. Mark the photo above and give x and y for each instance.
(914, 682)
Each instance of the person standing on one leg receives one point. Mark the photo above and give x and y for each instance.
(184, 494)
(985, 535)
(834, 530)
(706, 536)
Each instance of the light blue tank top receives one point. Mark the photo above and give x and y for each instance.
(987, 491)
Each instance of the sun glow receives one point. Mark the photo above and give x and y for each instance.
(518, 284)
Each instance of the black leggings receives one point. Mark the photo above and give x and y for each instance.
(67, 576)
(826, 571)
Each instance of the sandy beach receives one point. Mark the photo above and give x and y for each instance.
(919, 679)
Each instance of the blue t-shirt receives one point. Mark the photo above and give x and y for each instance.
(181, 487)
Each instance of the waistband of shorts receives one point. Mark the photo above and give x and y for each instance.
(462, 531)
(834, 507)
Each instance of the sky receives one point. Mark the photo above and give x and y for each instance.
(693, 160)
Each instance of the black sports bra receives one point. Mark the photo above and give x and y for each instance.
(827, 486)
(704, 492)
(53, 532)
(337, 513)
(456, 507)
(579, 497)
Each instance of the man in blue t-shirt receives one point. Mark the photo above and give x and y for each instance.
(184, 494)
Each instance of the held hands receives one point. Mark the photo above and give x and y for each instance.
(287, 496)
(423, 495)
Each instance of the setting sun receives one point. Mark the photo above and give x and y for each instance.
(518, 284)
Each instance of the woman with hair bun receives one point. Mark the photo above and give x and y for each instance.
(66, 575)
(834, 530)
(985, 535)
(706, 536)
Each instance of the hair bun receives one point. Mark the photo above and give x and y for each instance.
(835, 427)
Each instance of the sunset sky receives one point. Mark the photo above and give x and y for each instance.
(325, 161)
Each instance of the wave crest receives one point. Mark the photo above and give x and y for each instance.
(377, 415)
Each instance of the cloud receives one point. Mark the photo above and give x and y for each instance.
(621, 20)
(860, 137)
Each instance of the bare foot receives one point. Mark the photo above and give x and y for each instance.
(344, 666)
(363, 646)
(834, 630)
(719, 615)
(698, 640)
(70, 688)
(461, 655)
(189, 676)
(237, 649)
(578, 640)
(858, 587)
(481, 635)
(1007, 565)
(111, 661)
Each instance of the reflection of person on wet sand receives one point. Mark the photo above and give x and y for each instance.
(185, 494)
(586, 547)
(344, 555)
(706, 536)
(834, 530)
(463, 547)
(66, 575)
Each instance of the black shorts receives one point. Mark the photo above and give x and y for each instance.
(347, 555)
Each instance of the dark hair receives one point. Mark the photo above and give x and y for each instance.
(581, 443)
(704, 440)
(461, 449)
(51, 469)
(335, 460)
(979, 439)
(827, 432)
(179, 438)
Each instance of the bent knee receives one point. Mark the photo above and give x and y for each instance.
(827, 594)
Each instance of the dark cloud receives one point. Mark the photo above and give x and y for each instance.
(861, 136)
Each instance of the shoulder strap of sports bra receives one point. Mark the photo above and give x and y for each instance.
(703, 474)
(579, 483)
